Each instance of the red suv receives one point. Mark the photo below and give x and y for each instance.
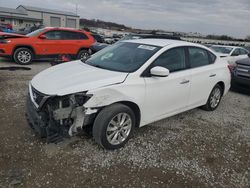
(46, 43)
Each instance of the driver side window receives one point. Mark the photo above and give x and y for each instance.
(173, 59)
(53, 35)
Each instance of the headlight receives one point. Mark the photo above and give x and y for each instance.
(72, 100)
(81, 98)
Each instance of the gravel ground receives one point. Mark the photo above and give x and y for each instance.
(193, 149)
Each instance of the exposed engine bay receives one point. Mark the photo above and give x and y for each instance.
(55, 117)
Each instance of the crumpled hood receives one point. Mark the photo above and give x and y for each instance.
(4, 35)
(73, 77)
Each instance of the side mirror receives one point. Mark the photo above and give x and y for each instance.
(159, 71)
(42, 37)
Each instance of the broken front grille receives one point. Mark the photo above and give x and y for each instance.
(37, 96)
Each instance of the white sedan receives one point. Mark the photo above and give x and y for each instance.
(127, 85)
(230, 53)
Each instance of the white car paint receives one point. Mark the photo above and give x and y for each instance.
(229, 57)
(156, 97)
(74, 77)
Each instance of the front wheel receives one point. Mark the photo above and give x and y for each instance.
(214, 98)
(113, 126)
(23, 56)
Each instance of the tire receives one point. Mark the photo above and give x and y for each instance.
(214, 98)
(23, 56)
(83, 55)
(107, 133)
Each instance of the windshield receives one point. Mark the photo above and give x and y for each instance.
(35, 33)
(221, 49)
(123, 57)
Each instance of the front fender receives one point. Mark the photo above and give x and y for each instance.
(106, 97)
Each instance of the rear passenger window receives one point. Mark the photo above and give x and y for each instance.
(173, 59)
(236, 52)
(68, 35)
(198, 57)
(243, 52)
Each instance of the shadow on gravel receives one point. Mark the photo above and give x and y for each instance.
(14, 68)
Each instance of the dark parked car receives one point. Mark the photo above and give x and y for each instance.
(97, 47)
(98, 38)
(241, 74)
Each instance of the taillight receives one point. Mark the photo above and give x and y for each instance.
(231, 67)
(3, 41)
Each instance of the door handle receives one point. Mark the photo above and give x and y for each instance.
(184, 82)
(212, 75)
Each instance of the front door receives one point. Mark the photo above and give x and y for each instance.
(51, 45)
(168, 95)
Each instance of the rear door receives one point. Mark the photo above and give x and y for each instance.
(73, 41)
(204, 75)
(168, 95)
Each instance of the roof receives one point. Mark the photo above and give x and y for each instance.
(225, 46)
(158, 42)
(12, 11)
(38, 9)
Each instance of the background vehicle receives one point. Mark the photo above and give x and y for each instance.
(247, 47)
(241, 73)
(149, 36)
(27, 30)
(230, 53)
(98, 38)
(46, 43)
(99, 46)
(6, 28)
(116, 92)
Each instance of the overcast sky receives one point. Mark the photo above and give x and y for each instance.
(231, 17)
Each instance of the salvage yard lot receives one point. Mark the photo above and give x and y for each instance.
(193, 149)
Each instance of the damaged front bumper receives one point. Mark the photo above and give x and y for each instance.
(55, 117)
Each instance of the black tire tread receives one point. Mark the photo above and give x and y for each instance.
(207, 106)
(79, 53)
(20, 49)
(104, 117)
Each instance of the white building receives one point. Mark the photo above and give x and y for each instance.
(26, 16)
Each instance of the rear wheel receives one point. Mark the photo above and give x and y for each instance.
(113, 126)
(83, 55)
(214, 98)
(23, 56)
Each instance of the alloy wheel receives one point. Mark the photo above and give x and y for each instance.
(84, 56)
(24, 56)
(215, 97)
(119, 128)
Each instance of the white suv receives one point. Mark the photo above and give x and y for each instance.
(127, 85)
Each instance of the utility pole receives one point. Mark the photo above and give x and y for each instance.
(76, 8)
